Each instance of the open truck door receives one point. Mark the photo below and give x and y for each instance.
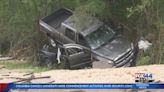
(78, 56)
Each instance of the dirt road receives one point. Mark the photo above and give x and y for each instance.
(110, 75)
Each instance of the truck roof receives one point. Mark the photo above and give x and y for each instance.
(84, 26)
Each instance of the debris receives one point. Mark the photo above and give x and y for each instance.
(31, 78)
(52, 81)
(28, 74)
(5, 58)
(144, 44)
(145, 70)
(158, 81)
(15, 78)
(2, 67)
(1, 78)
(5, 75)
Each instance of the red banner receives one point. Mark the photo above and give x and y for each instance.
(3, 87)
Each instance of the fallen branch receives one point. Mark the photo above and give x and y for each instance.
(5, 75)
(31, 78)
(2, 67)
(158, 81)
(1, 78)
(5, 58)
(52, 81)
(28, 74)
(16, 78)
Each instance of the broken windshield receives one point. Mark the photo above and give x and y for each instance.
(99, 37)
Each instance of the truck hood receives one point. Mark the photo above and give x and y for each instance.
(113, 49)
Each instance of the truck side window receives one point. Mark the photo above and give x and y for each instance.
(72, 51)
(70, 34)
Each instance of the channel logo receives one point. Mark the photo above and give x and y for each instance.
(144, 78)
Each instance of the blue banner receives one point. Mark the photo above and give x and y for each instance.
(6, 87)
(86, 86)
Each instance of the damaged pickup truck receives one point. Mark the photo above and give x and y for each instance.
(79, 46)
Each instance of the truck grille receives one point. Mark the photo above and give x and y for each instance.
(124, 58)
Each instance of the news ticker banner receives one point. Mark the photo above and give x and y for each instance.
(7, 87)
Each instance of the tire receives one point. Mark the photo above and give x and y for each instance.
(133, 63)
(48, 63)
(45, 60)
(88, 66)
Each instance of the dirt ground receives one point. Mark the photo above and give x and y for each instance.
(109, 75)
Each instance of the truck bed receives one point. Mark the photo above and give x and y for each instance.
(53, 21)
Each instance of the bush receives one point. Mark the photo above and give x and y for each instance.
(145, 60)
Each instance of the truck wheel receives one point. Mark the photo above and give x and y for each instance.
(48, 63)
(133, 63)
(44, 60)
(89, 66)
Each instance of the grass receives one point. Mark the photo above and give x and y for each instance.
(16, 64)
(144, 60)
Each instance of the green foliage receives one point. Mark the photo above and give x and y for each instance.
(144, 60)
(24, 65)
(86, 10)
(19, 22)
(20, 31)
(150, 21)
